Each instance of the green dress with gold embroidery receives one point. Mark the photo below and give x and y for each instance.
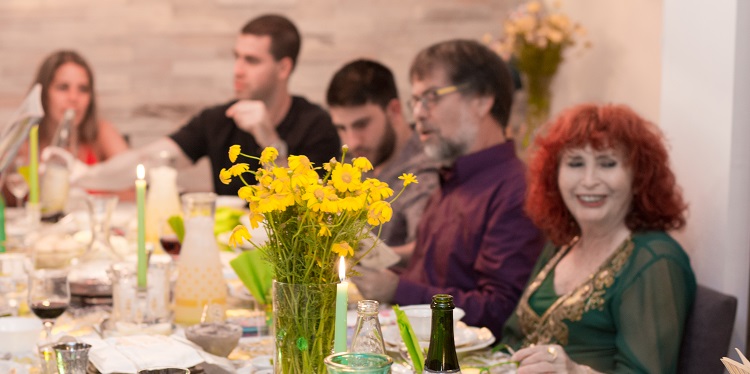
(627, 317)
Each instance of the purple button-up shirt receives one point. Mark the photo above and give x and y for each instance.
(474, 240)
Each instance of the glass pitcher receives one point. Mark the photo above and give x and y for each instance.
(88, 274)
(200, 289)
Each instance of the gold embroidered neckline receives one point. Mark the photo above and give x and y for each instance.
(550, 326)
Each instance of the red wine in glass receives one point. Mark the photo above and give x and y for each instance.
(49, 309)
(171, 244)
(49, 295)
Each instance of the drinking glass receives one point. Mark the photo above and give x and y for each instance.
(168, 240)
(49, 295)
(13, 282)
(15, 180)
(364, 363)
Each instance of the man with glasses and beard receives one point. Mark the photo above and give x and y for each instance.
(474, 240)
(367, 113)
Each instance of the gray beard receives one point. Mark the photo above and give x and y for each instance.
(444, 152)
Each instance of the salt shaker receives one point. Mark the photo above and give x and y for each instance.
(368, 337)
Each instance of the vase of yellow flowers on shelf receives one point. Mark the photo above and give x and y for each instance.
(534, 40)
(311, 223)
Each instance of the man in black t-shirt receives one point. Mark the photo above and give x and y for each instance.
(263, 114)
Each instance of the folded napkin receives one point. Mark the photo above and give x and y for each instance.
(15, 132)
(255, 273)
(128, 354)
(735, 367)
(381, 256)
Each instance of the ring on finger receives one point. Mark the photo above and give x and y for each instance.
(552, 352)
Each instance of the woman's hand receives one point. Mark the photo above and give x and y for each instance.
(546, 359)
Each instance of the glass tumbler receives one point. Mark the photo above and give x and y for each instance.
(362, 363)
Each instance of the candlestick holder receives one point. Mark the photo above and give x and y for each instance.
(141, 309)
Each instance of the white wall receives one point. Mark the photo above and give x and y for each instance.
(684, 65)
(624, 63)
(704, 111)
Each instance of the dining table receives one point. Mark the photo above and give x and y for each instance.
(254, 352)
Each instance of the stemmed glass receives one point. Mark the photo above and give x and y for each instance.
(15, 181)
(49, 295)
(169, 240)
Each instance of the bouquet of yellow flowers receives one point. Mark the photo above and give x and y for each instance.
(311, 223)
(534, 40)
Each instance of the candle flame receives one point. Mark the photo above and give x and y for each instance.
(342, 269)
(140, 171)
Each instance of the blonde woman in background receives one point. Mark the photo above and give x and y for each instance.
(68, 83)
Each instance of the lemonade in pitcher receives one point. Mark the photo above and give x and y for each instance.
(200, 281)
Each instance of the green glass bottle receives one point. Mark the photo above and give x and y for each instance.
(441, 356)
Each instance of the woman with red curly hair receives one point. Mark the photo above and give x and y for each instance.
(612, 290)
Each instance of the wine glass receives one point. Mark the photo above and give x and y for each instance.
(169, 240)
(49, 295)
(15, 180)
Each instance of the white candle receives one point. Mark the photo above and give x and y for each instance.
(342, 299)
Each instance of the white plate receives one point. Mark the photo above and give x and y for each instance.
(262, 362)
(466, 338)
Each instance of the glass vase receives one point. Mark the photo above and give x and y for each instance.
(538, 100)
(303, 319)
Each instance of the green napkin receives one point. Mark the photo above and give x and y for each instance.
(255, 273)
(226, 218)
(178, 226)
(410, 340)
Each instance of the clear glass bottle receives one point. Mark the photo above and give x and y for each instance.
(368, 337)
(163, 199)
(200, 289)
(441, 356)
(55, 181)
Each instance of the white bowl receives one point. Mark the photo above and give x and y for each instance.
(420, 318)
(19, 334)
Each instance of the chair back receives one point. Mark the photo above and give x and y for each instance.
(708, 330)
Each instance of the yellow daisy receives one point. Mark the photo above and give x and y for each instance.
(345, 177)
(362, 163)
(255, 217)
(238, 169)
(408, 179)
(343, 249)
(268, 155)
(234, 151)
(246, 193)
(324, 230)
(225, 176)
(352, 203)
(302, 177)
(239, 234)
(379, 213)
(378, 190)
(299, 162)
